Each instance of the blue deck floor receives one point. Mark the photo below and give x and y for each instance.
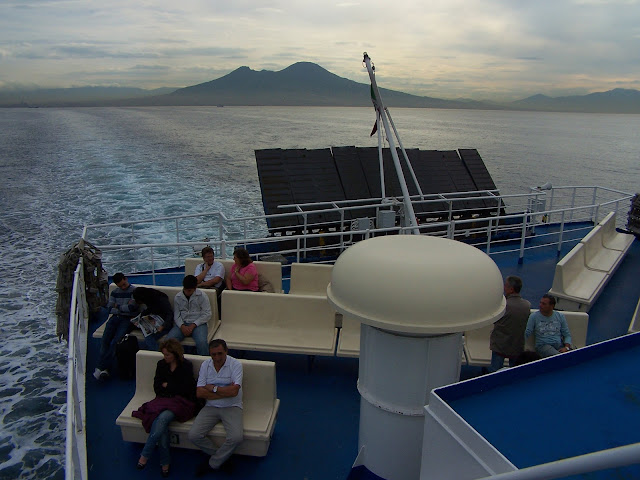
(316, 433)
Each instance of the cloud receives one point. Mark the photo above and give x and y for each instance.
(470, 48)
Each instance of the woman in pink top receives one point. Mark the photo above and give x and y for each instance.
(244, 275)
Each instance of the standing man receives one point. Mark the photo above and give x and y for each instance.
(122, 308)
(191, 313)
(507, 336)
(550, 327)
(210, 274)
(220, 384)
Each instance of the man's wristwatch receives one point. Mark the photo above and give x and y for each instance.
(215, 389)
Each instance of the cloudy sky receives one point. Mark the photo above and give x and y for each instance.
(481, 49)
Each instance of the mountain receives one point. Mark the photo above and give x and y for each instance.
(618, 100)
(302, 83)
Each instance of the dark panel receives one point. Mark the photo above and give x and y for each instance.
(479, 173)
(371, 167)
(352, 177)
(461, 178)
(314, 178)
(274, 184)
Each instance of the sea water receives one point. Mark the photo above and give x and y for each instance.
(63, 168)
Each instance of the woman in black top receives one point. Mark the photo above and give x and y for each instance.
(173, 380)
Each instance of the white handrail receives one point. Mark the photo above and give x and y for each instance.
(76, 445)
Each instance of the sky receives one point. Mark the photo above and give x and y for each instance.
(479, 49)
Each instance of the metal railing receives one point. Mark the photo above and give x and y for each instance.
(76, 445)
(149, 246)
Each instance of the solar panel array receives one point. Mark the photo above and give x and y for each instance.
(298, 176)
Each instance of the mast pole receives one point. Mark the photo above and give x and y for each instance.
(379, 106)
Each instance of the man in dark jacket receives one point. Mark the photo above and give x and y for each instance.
(507, 337)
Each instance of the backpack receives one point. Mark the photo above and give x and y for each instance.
(126, 350)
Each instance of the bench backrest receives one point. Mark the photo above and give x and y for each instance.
(172, 291)
(569, 268)
(258, 383)
(310, 278)
(272, 271)
(608, 225)
(277, 310)
(593, 243)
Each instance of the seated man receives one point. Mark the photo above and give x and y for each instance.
(122, 308)
(507, 336)
(210, 274)
(550, 327)
(191, 312)
(220, 384)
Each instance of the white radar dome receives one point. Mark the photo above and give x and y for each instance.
(417, 284)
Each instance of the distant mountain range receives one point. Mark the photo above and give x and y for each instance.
(302, 84)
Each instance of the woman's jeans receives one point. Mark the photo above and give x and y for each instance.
(159, 434)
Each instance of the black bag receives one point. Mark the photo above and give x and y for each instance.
(126, 350)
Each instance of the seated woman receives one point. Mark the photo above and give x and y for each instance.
(175, 388)
(244, 275)
(155, 303)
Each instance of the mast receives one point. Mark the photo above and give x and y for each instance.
(385, 116)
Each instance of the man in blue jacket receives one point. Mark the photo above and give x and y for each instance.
(550, 328)
(122, 308)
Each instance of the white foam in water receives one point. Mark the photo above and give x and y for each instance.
(63, 168)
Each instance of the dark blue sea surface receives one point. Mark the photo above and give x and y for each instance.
(63, 168)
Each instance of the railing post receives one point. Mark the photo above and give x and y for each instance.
(223, 249)
(523, 236)
(489, 236)
(561, 233)
(595, 208)
(153, 268)
(573, 201)
(178, 241)
(298, 249)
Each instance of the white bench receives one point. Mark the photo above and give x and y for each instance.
(272, 271)
(612, 239)
(310, 278)
(476, 342)
(260, 405)
(583, 273)
(575, 286)
(349, 338)
(278, 322)
(212, 324)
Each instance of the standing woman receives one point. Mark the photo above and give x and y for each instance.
(175, 389)
(244, 275)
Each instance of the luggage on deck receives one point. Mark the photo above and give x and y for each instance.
(126, 350)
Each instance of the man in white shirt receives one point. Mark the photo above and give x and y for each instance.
(210, 274)
(220, 384)
(191, 313)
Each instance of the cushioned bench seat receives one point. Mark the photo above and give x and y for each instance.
(310, 278)
(272, 271)
(171, 292)
(349, 338)
(260, 405)
(476, 342)
(576, 286)
(612, 239)
(598, 257)
(278, 322)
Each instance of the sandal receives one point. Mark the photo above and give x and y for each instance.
(140, 466)
(165, 471)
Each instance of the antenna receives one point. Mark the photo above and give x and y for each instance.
(383, 114)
